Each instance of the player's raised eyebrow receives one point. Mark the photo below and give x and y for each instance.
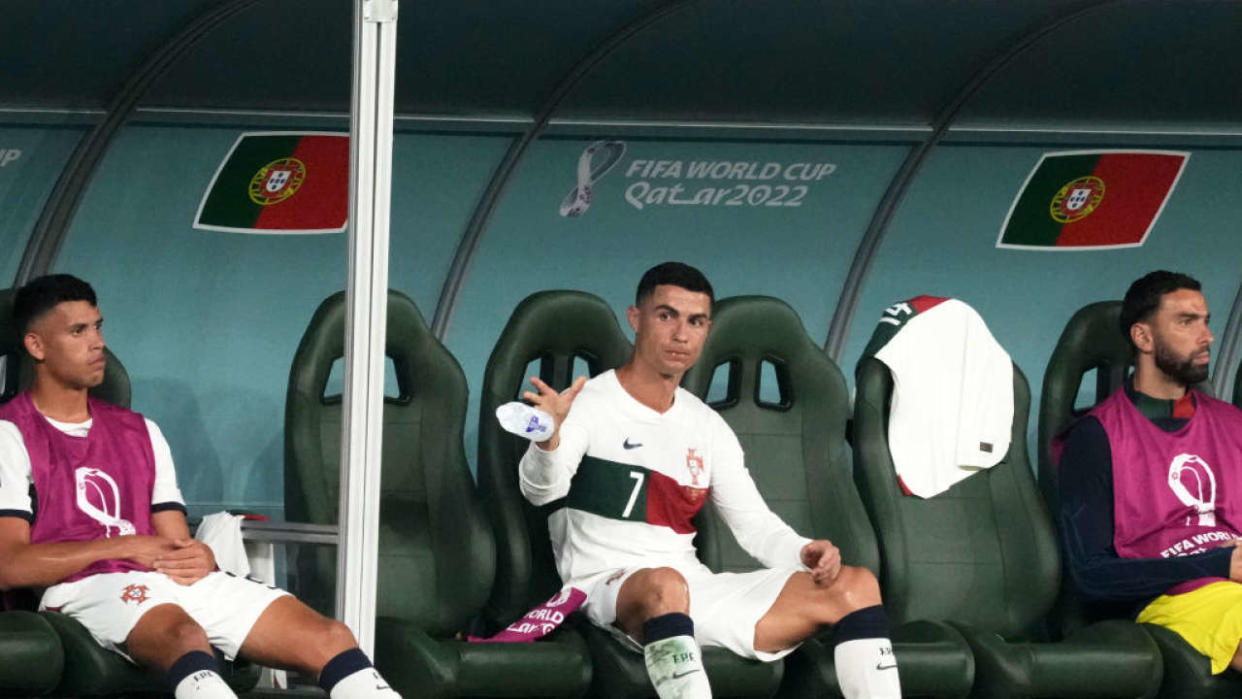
(670, 309)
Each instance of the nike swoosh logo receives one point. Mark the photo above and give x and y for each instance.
(628, 445)
(878, 666)
(679, 675)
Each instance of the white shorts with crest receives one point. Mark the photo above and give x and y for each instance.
(109, 605)
(725, 607)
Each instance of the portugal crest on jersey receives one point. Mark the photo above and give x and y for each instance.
(277, 181)
(134, 593)
(694, 464)
(1077, 199)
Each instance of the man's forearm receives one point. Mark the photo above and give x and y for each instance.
(28, 565)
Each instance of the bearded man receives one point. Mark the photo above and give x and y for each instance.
(1151, 481)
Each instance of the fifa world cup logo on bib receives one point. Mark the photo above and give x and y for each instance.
(100, 499)
(1194, 484)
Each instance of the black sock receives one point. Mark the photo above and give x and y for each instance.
(189, 664)
(346, 663)
(658, 628)
(868, 622)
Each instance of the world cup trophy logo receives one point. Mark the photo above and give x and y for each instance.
(1201, 493)
(100, 498)
(590, 170)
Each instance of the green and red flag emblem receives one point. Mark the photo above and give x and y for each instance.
(1091, 200)
(280, 183)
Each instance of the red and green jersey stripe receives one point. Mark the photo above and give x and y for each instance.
(280, 183)
(628, 492)
(1091, 199)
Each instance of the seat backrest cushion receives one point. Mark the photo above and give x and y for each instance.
(1091, 341)
(1237, 388)
(983, 552)
(553, 328)
(436, 553)
(793, 439)
(18, 371)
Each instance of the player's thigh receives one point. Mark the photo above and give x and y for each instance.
(727, 609)
(110, 605)
(228, 607)
(291, 635)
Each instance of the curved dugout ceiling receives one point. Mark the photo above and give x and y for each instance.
(886, 69)
(869, 245)
(469, 244)
(53, 222)
(813, 62)
(68, 54)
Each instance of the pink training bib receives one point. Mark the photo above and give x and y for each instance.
(1174, 493)
(87, 488)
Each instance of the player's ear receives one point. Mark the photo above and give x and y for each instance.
(1140, 333)
(631, 315)
(34, 345)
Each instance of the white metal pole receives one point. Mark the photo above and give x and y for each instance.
(366, 298)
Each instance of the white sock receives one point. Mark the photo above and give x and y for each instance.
(867, 669)
(203, 684)
(363, 684)
(675, 668)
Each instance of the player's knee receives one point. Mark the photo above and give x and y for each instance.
(185, 635)
(337, 637)
(663, 590)
(856, 587)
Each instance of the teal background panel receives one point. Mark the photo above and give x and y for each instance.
(942, 242)
(436, 182)
(798, 253)
(207, 323)
(26, 180)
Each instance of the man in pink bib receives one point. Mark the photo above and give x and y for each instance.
(1151, 481)
(90, 510)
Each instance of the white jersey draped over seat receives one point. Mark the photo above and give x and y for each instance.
(952, 406)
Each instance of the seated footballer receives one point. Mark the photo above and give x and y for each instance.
(633, 436)
(90, 510)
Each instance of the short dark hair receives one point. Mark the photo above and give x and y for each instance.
(673, 274)
(42, 294)
(1144, 295)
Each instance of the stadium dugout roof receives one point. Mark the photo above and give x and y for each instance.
(804, 63)
(911, 71)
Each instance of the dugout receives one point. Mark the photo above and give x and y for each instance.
(839, 155)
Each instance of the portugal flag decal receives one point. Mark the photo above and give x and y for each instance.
(1091, 200)
(280, 183)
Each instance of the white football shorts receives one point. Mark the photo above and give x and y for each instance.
(109, 605)
(725, 607)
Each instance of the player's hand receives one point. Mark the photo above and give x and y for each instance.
(144, 550)
(1235, 562)
(823, 559)
(554, 404)
(188, 562)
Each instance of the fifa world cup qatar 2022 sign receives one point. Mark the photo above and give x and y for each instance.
(682, 182)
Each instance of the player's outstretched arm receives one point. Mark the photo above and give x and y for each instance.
(555, 404)
(23, 564)
(191, 560)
